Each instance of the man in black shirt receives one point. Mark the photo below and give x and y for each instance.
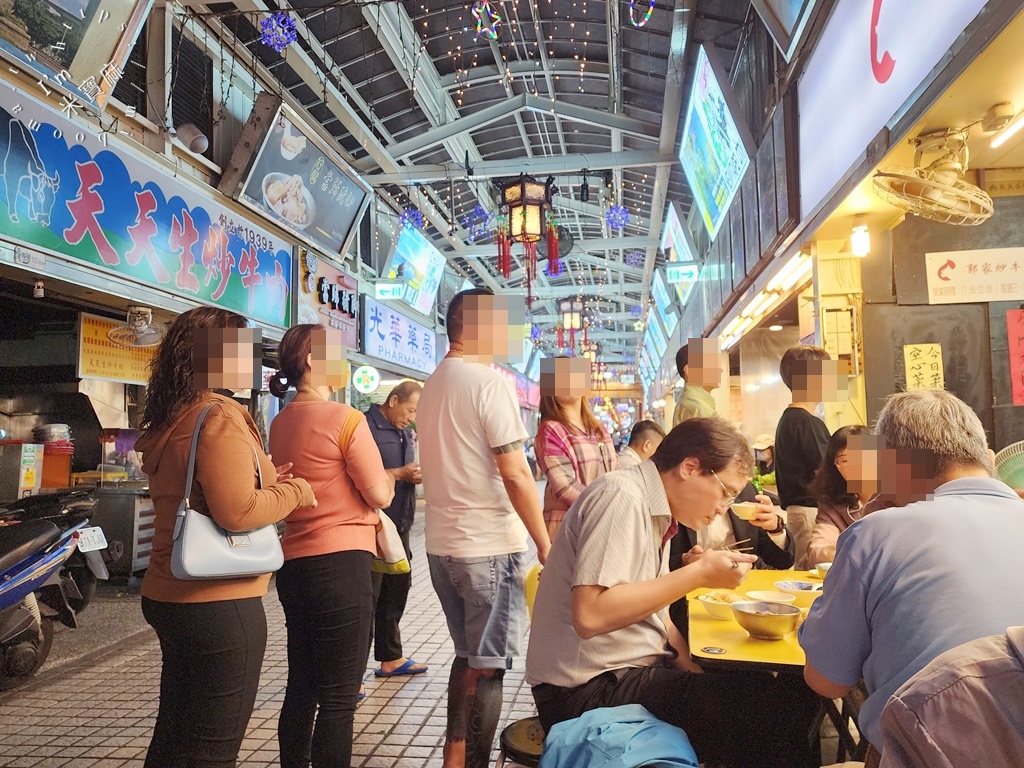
(389, 425)
(801, 438)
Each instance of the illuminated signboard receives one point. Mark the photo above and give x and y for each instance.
(420, 266)
(295, 179)
(391, 336)
(676, 240)
(655, 342)
(716, 149)
(663, 303)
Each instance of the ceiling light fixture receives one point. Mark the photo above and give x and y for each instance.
(860, 238)
(584, 189)
(1009, 131)
(775, 328)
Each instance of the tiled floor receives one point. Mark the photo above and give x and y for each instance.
(100, 711)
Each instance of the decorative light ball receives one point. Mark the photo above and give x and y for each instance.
(634, 259)
(278, 31)
(411, 217)
(554, 268)
(535, 333)
(636, 310)
(617, 217)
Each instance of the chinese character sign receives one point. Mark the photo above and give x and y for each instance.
(66, 193)
(923, 364)
(100, 358)
(1015, 344)
(390, 335)
(328, 296)
(963, 277)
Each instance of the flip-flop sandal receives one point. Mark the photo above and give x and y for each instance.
(405, 669)
(361, 695)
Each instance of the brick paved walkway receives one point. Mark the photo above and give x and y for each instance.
(99, 711)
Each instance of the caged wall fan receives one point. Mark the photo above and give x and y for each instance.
(139, 330)
(1010, 465)
(937, 191)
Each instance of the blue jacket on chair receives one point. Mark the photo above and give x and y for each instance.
(617, 737)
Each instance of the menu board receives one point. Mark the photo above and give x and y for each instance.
(663, 303)
(298, 182)
(100, 358)
(715, 150)
(420, 265)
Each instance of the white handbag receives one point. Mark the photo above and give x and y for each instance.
(204, 550)
(390, 557)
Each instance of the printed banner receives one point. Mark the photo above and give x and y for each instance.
(391, 336)
(923, 364)
(1015, 343)
(65, 191)
(100, 358)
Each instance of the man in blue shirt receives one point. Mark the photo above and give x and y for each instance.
(389, 425)
(940, 569)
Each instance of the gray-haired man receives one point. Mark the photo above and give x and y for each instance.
(913, 581)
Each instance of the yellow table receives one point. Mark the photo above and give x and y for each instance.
(726, 642)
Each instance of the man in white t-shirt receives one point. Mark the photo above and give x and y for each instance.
(481, 501)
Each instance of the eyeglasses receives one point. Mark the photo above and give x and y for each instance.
(730, 497)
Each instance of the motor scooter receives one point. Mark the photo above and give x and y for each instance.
(67, 510)
(35, 589)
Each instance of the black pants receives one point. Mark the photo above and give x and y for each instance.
(390, 592)
(212, 655)
(737, 719)
(328, 604)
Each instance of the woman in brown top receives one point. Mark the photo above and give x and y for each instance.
(212, 632)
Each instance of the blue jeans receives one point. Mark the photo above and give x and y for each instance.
(484, 604)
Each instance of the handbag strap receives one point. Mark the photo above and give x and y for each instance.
(186, 503)
(192, 457)
(192, 453)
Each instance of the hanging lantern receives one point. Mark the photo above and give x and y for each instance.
(525, 201)
(571, 311)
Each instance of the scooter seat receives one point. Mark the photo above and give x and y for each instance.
(19, 541)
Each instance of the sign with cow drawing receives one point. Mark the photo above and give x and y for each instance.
(64, 190)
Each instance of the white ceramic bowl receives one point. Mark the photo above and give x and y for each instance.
(804, 592)
(768, 596)
(744, 510)
(720, 611)
(822, 569)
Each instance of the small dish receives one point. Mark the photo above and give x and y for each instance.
(804, 592)
(744, 510)
(717, 610)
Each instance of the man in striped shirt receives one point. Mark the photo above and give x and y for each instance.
(601, 633)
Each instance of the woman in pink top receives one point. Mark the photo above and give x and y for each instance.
(324, 585)
(573, 449)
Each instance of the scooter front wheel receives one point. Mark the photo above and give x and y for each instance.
(21, 659)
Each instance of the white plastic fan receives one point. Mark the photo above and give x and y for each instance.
(1010, 465)
(139, 331)
(938, 191)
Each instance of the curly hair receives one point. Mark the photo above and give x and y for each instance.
(170, 380)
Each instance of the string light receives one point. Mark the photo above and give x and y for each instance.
(488, 20)
(633, 14)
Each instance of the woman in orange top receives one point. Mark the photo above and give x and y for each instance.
(324, 585)
(213, 632)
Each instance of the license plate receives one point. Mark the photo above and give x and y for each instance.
(90, 539)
